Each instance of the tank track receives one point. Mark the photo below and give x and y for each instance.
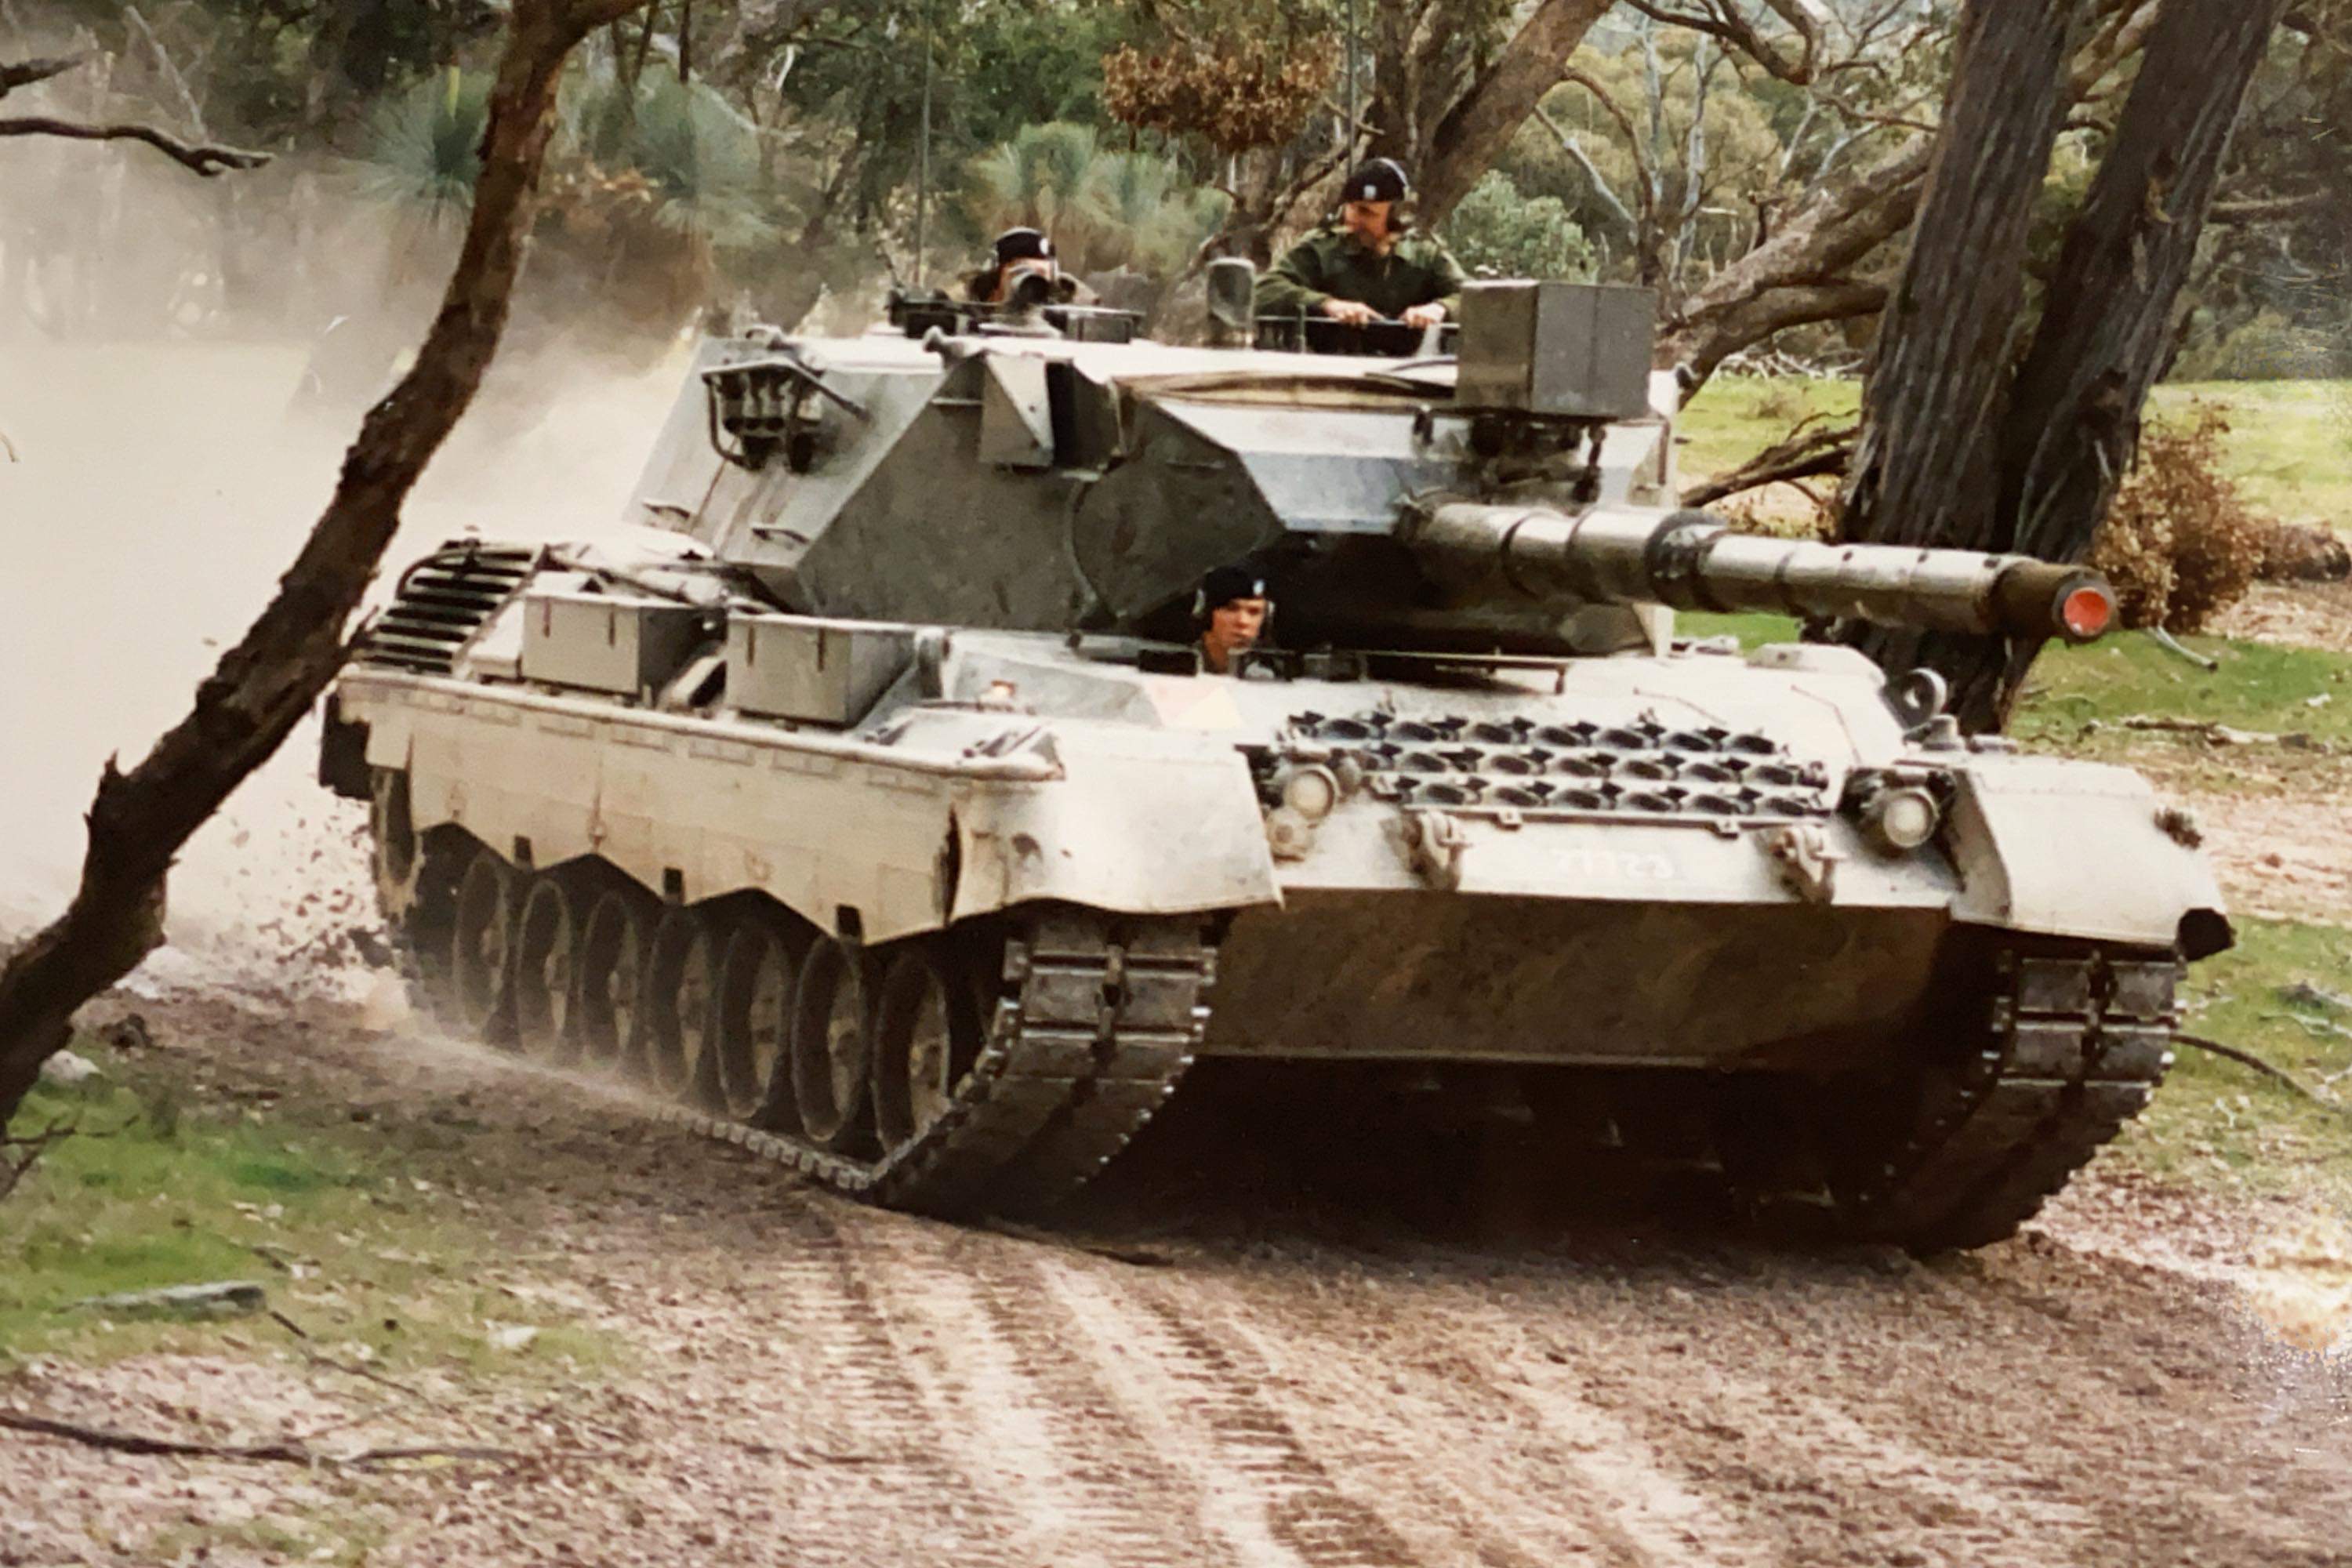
(2073, 1043)
(1094, 1020)
(1101, 1019)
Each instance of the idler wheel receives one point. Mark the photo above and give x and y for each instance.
(614, 953)
(756, 983)
(481, 949)
(680, 1001)
(927, 1034)
(546, 946)
(832, 1045)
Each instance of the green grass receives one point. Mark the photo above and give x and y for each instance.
(2290, 442)
(340, 1226)
(2289, 447)
(1733, 418)
(2263, 687)
(2260, 686)
(2215, 1120)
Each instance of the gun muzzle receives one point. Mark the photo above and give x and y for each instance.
(1693, 560)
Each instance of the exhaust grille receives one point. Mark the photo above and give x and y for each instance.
(442, 602)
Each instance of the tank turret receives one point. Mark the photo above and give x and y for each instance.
(1048, 475)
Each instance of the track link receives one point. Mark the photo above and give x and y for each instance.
(2073, 1043)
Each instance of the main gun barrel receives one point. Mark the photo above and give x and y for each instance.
(1693, 560)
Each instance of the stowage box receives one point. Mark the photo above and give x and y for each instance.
(813, 671)
(1578, 351)
(605, 642)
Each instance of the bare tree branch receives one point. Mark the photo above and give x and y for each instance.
(2248, 1058)
(170, 69)
(1723, 20)
(198, 160)
(1465, 144)
(1592, 174)
(285, 1450)
(1803, 454)
(25, 73)
(261, 689)
(19, 1156)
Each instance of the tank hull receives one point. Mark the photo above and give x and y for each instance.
(1432, 976)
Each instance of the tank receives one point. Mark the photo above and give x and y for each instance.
(868, 800)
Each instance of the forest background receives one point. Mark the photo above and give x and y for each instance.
(1757, 161)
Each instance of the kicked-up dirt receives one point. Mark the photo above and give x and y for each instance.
(1200, 1367)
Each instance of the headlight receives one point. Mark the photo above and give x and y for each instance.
(1902, 818)
(1311, 792)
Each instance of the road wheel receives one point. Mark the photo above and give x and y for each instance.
(680, 999)
(614, 953)
(481, 949)
(927, 1034)
(546, 946)
(830, 1045)
(756, 985)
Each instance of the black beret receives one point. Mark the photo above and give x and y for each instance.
(1375, 180)
(1224, 584)
(1023, 245)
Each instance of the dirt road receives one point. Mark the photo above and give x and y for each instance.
(1225, 1381)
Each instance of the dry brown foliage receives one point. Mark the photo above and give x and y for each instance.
(1237, 99)
(2304, 553)
(2180, 543)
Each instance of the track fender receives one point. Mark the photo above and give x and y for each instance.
(1142, 822)
(2070, 849)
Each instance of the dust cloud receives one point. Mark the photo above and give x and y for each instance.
(158, 488)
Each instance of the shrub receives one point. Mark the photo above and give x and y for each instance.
(2265, 347)
(2304, 553)
(1783, 401)
(1496, 232)
(2179, 544)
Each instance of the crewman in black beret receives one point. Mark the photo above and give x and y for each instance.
(1231, 610)
(1017, 253)
(1366, 263)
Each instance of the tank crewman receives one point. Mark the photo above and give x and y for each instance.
(1231, 610)
(1366, 263)
(1021, 253)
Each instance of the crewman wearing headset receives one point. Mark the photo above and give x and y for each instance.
(1366, 263)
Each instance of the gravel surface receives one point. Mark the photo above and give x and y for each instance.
(1183, 1374)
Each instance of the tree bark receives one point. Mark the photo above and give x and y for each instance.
(261, 689)
(1961, 450)
(1932, 408)
(1802, 274)
(1472, 134)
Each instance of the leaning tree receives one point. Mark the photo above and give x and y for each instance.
(1984, 427)
(263, 685)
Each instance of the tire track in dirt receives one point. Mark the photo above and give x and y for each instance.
(1509, 1464)
(1088, 1486)
(1263, 1494)
(909, 1485)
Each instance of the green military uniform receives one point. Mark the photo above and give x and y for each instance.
(1330, 263)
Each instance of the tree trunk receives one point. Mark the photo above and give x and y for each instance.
(1957, 450)
(1932, 408)
(262, 688)
(1469, 138)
